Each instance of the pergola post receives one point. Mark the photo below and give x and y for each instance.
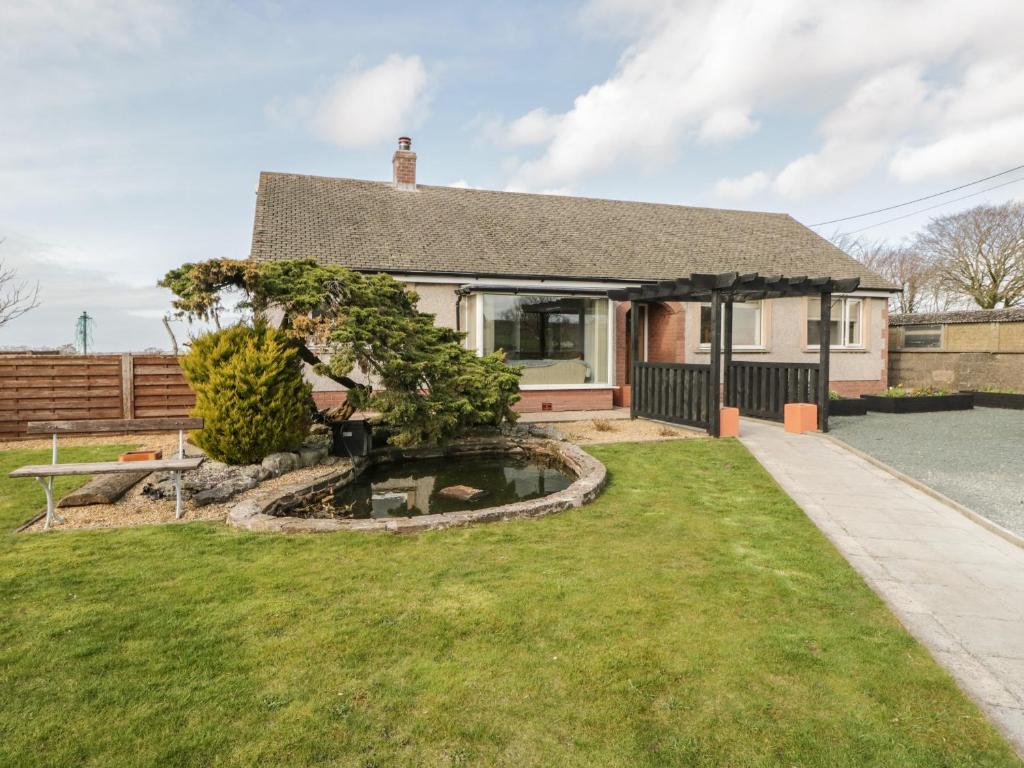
(715, 374)
(824, 353)
(634, 354)
(727, 355)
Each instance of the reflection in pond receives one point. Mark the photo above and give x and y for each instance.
(411, 488)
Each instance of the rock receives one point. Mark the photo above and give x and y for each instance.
(320, 434)
(311, 455)
(102, 489)
(462, 493)
(279, 463)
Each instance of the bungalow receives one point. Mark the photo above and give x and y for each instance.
(530, 274)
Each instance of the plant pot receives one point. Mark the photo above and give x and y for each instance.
(997, 399)
(141, 456)
(919, 404)
(847, 406)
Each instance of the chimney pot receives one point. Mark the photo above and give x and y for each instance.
(403, 165)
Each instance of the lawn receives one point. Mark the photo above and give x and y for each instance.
(692, 616)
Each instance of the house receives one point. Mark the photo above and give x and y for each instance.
(530, 274)
(965, 349)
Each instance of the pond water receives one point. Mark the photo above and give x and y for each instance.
(411, 488)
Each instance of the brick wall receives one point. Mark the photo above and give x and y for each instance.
(957, 370)
(857, 388)
(565, 400)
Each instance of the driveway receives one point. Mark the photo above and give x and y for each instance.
(973, 457)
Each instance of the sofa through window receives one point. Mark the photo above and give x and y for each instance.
(558, 340)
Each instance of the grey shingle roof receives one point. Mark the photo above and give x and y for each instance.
(960, 317)
(372, 226)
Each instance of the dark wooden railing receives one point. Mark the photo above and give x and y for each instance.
(763, 389)
(675, 392)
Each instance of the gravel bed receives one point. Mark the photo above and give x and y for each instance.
(974, 457)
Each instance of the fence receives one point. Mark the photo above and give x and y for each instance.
(676, 392)
(763, 389)
(50, 387)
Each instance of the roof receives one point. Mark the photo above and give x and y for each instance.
(958, 317)
(372, 226)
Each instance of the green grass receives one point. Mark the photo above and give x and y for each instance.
(692, 616)
(21, 499)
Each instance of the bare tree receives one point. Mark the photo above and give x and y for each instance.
(170, 332)
(979, 253)
(903, 266)
(16, 297)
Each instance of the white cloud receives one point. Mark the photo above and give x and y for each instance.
(742, 188)
(714, 70)
(374, 105)
(62, 27)
(989, 147)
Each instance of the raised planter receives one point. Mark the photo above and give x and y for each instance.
(847, 406)
(997, 399)
(919, 404)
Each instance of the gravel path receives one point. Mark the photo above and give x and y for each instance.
(974, 457)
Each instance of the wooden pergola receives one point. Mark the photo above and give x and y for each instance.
(723, 290)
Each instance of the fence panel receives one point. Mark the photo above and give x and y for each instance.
(674, 392)
(763, 389)
(56, 387)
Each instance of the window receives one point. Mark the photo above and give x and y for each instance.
(746, 325)
(922, 336)
(846, 329)
(558, 340)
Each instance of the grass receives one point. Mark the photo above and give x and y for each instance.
(692, 616)
(21, 499)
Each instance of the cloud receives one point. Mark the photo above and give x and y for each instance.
(716, 71)
(374, 105)
(742, 188)
(37, 28)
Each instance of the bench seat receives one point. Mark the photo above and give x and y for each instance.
(106, 467)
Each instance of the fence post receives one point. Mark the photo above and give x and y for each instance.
(825, 350)
(727, 374)
(715, 377)
(128, 385)
(634, 352)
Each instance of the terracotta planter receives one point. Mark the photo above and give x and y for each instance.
(920, 404)
(141, 456)
(996, 399)
(801, 417)
(729, 422)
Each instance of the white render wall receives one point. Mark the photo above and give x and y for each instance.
(784, 336)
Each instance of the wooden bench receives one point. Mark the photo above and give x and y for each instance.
(45, 473)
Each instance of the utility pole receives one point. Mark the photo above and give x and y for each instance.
(83, 332)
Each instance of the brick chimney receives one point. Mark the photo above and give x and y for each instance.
(403, 164)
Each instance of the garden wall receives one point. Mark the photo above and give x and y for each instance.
(49, 387)
(956, 370)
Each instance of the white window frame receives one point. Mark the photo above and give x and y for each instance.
(843, 322)
(479, 309)
(763, 322)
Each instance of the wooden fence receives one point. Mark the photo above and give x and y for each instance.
(52, 387)
(763, 389)
(676, 392)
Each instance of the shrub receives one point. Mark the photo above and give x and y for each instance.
(902, 391)
(250, 391)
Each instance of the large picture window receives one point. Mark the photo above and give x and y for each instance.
(847, 323)
(746, 325)
(558, 340)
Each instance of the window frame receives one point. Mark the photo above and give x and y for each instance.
(844, 301)
(941, 333)
(478, 321)
(763, 327)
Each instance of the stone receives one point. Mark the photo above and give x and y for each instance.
(279, 463)
(320, 434)
(462, 493)
(311, 455)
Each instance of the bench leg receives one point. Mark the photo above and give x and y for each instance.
(51, 514)
(177, 495)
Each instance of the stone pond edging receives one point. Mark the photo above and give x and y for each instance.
(263, 512)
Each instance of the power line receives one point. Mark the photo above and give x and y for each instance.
(932, 207)
(918, 200)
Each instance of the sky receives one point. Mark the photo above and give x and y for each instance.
(132, 132)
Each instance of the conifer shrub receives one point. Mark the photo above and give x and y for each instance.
(250, 391)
